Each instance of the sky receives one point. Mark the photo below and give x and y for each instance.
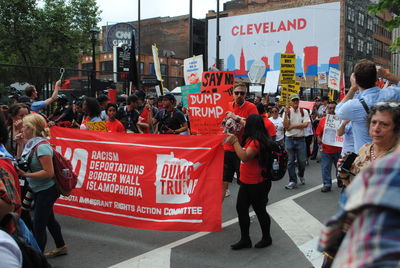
(114, 11)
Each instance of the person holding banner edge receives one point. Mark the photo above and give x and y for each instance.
(241, 108)
(255, 152)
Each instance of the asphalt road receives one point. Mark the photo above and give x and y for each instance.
(297, 216)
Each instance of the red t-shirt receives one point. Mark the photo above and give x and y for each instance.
(144, 118)
(328, 149)
(115, 126)
(244, 111)
(250, 172)
(269, 127)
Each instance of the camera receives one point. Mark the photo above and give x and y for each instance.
(347, 162)
(22, 164)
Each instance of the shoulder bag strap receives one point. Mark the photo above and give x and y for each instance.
(364, 104)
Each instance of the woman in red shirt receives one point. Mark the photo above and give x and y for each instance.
(254, 153)
(113, 124)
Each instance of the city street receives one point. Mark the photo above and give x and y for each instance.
(297, 218)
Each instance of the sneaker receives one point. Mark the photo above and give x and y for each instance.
(291, 185)
(227, 193)
(325, 189)
(302, 180)
(57, 252)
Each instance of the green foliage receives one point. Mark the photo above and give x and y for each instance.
(53, 34)
(392, 6)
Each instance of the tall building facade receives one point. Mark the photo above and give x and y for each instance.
(362, 34)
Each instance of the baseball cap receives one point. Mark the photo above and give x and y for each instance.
(169, 96)
(102, 98)
(294, 96)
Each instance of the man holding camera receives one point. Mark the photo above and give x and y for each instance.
(170, 120)
(356, 109)
(329, 154)
(37, 106)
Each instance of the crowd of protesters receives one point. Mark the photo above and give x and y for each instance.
(370, 129)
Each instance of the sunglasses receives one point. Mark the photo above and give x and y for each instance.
(274, 111)
(239, 93)
(390, 104)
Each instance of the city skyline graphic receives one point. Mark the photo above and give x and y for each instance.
(306, 64)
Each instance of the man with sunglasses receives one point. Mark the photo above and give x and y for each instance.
(239, 107)
(295, 120)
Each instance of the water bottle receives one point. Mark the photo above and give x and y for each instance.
(275, 167)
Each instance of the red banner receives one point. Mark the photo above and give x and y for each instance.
(307, 105)
(155, 182)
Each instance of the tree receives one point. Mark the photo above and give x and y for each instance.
(393, 7)
(53, 34)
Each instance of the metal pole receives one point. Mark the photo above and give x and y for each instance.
(217, 44)
(190, 29)
(93, 76)
(138, 62)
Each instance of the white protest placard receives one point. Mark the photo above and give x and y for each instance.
(156, 61)
(257, 71)
(330, 137)
(255, 88)
(321, 78)
(272, 81)
(193, 69)
(334, 79)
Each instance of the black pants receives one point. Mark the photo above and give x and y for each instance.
(255, 195)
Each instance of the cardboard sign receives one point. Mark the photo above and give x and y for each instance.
(206, 112)
(334, 79)
(330, 136)
(288, 68)
(193, 69)
(187, 90)
(97, 126)
(321, 78)
(155, 182)
(272, 81)
(217, 81)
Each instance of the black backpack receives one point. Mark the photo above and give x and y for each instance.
(279, 155)
(30, 257)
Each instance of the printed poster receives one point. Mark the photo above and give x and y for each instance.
(330, 136)
(193, 69)
(146, 181)
(189, 89)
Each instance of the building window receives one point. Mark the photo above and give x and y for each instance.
(370, 24)
(350, 41)
(350, 14)
(369, 48)
(164, 69)
(141, 67)
(360, 45)
(152, 70)
(361, 18)
(106, 66)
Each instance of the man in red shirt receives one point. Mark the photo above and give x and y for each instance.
(329, 154)
(242, 108)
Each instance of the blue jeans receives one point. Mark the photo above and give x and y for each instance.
(44, 216)
(326, 167)
(296, 148)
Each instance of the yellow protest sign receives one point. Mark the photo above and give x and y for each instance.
(97, 126)
(288, 68)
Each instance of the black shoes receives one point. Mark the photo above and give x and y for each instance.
(263, 243)
(325, 189)
(242, 244)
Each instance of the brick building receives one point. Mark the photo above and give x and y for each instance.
(170, 34)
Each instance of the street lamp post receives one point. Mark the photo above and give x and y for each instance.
(93, 37)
